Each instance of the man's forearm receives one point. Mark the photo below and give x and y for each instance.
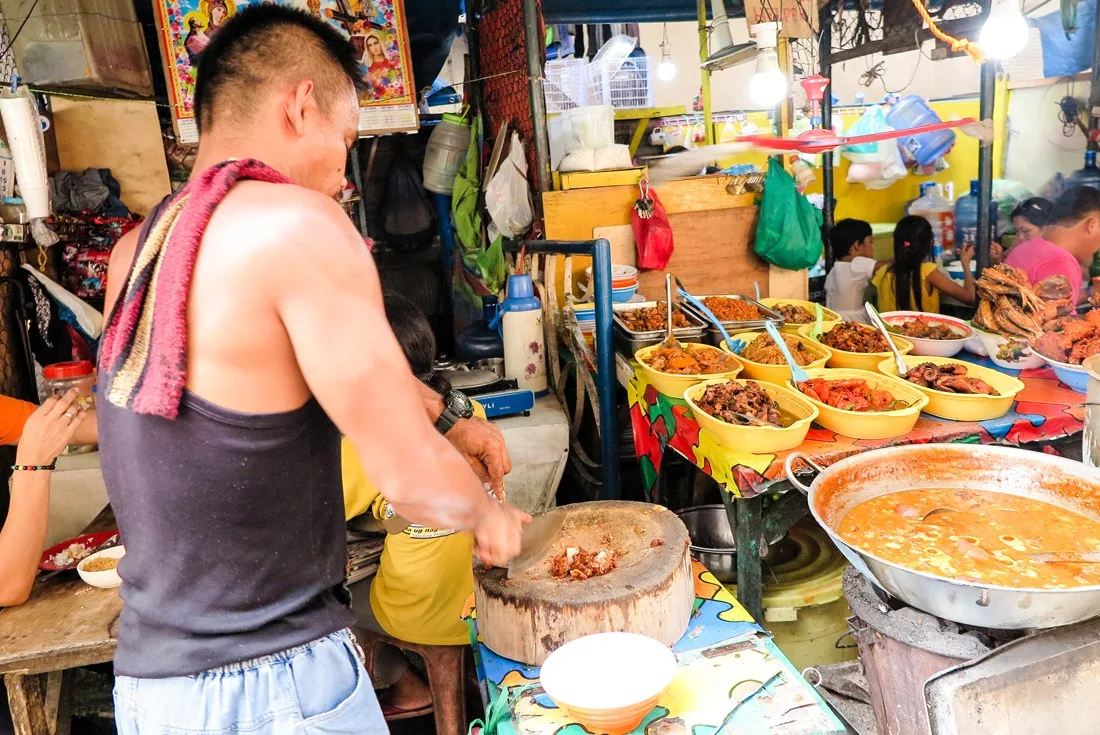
(433, 402)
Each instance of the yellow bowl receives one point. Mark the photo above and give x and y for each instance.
(672, 384)
(778, 374)
(757, 439)
(828, 318)
(858, 360)
(963, 406)
(869, 424)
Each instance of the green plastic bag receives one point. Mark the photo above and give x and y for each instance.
(788, 232)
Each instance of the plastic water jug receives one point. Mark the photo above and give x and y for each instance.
(966, 218)
(924, 148)
(524, 343)
(445, 153)
(1087, 176)
(480, 341)
(940, 213)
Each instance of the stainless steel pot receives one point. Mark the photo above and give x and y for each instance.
(840, 487)
(713, 542)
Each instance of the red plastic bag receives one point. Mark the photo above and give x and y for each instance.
(652, 231)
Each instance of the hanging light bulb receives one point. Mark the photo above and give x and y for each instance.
(1005, 31)
(666, 70)
(768, 85)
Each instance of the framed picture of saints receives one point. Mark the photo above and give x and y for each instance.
(376, 28)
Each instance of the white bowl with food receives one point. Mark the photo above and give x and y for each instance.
(1009, 353)
(932, 335)
(609, 682)
(101, 568)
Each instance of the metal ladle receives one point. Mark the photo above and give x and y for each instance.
(903, 369)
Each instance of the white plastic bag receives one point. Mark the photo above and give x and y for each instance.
(872, 121)
(613, 157)
(507, 197)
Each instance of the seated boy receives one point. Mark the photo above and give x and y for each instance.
(425, 575)
(853, 252)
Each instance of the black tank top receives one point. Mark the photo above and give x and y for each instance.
(234, 532)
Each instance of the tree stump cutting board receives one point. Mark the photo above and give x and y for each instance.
(650, 592)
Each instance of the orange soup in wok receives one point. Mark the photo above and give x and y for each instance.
(986, 537)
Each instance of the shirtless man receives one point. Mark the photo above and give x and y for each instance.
(235, 613)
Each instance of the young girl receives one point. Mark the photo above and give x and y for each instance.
(912, 282)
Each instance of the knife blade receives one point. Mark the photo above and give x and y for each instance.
(537, 537)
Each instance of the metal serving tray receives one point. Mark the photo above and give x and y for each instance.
(714, 337)
(628, 342)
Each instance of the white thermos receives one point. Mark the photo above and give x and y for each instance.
(524, 344)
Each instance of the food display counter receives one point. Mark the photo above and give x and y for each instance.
(1045, 411)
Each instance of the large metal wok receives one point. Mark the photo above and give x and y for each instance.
(1063, 482)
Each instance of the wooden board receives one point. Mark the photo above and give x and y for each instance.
(650, 592)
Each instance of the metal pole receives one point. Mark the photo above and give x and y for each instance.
(605, 370)
(533, 45)
(985, 167)
(1094, 90)
(824, 54)
(704, 52)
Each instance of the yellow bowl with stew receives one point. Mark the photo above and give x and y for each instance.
(963, 406)
(779, 374)
(857, 360)
(757, 439)
(674, 384)
(828, 316)
(868, 424)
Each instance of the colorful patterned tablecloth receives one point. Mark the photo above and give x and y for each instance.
(731, 676)
(1045, 410)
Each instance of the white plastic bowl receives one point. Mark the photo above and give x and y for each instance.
(609, 681)
(992, 343)
(107, 579)
(932, 347)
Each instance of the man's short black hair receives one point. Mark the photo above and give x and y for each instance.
(845, 234)
(265, 44)
(1075, 205)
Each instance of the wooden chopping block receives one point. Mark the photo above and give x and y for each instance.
(650, 592)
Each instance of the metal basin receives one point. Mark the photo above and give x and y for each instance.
(1063, 482)
(712, 540)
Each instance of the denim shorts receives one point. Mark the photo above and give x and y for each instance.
(320, 688)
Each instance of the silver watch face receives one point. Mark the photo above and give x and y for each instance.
(460, 404)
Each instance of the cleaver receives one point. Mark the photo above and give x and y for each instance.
(537, 537)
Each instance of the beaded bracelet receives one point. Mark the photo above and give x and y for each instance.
(32, 467)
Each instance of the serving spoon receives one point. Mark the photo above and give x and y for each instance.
(903, 369)
(706, 312)
(669, 342)
(798, 375)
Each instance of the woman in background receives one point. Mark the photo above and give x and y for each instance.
(914, 283)
(1030, 217)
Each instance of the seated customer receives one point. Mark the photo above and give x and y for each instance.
(425, 574)
(1068, 243)
(912, 282)
(853, 251)
(1030, 217)
(42, 434)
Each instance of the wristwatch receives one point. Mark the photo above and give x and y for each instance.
(456, 407)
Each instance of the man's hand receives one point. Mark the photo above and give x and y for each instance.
(482, 444)
(498, 537)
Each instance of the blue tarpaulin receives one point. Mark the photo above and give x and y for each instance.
(1065, 55)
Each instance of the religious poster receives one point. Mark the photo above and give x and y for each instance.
(376, 28)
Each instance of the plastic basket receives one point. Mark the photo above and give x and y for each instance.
(566, 84)
(630, 87)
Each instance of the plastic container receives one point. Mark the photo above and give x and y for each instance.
(566, 84)
(857, 360)
(963, 406)
(756, 439)
(96, 45)
(445, 154)
(778, 374)
(674, 384)
(940, 213)
(524, 342)
(1087, 176)
(925, 148)
(626, 88)
(60, 377)
(869, 424)
(479, 341)
(966, 218)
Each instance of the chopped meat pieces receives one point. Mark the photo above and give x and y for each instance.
(924, 329)
(763, 350)
(577, 563)
(1070, 340)
(795, 314)
(691, 360)
(731, 402)
(854, 337)
(652, 318)
(732, 310)
(950, 378)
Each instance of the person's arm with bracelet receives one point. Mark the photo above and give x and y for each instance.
(44, 436)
